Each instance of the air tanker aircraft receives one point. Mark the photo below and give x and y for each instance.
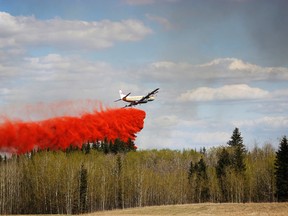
(135, 100)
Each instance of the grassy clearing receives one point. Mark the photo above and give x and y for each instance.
(224, 209)
(203, 209)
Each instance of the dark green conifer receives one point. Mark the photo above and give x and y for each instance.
(238, 158)
(87, 148)
(130, 146)
(239, 151)
(191, 171)
(202, 169)
(236, 139)
(105, 146)
(118, 170)
(202, 181)
(83, 182)
(223, 162)
(281, 167)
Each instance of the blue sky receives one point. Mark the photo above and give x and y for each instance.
(219, 64)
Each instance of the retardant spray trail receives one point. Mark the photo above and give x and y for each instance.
(61, 132)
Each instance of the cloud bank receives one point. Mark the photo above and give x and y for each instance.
(19, 31)
(227, 92)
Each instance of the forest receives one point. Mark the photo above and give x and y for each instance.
(104, 176)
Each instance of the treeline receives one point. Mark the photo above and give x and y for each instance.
(78, 181)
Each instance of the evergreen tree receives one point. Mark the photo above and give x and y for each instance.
(239, 151)
(281, 167)
(190, 171)
(87, 148)
(202, 181)
(83, 189)
(131, 145)
(202, 169)
(202, 150)
(223, 163)
(236, 139)
(105, 146)
(83, 147)
(238, 159)
(118, 172)
(117, 146)
(69, 149)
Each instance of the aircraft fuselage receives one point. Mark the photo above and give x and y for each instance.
(138, 98)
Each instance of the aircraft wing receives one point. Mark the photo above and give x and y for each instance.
(130, 105)
(148, 95)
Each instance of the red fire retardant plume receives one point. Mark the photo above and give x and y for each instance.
(61, 132)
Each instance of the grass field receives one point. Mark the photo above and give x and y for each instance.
(225, 209)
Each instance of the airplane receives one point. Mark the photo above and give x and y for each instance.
(135, 100)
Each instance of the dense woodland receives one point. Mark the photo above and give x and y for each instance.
(103, 176)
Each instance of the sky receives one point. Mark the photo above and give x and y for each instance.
(219, 64)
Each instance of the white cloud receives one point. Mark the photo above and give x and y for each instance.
(180, 135)
(166, 121)
(238, 64)
(227, 92)
(56, 77)
(239, 68)
(271, 122)
(207, 139)
(221, 71)
(178, 139)
(19, 31)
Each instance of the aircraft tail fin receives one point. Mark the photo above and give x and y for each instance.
(121, 94)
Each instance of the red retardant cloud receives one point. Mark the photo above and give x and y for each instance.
(61, 132)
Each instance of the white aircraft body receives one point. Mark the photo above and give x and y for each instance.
(135, 100)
